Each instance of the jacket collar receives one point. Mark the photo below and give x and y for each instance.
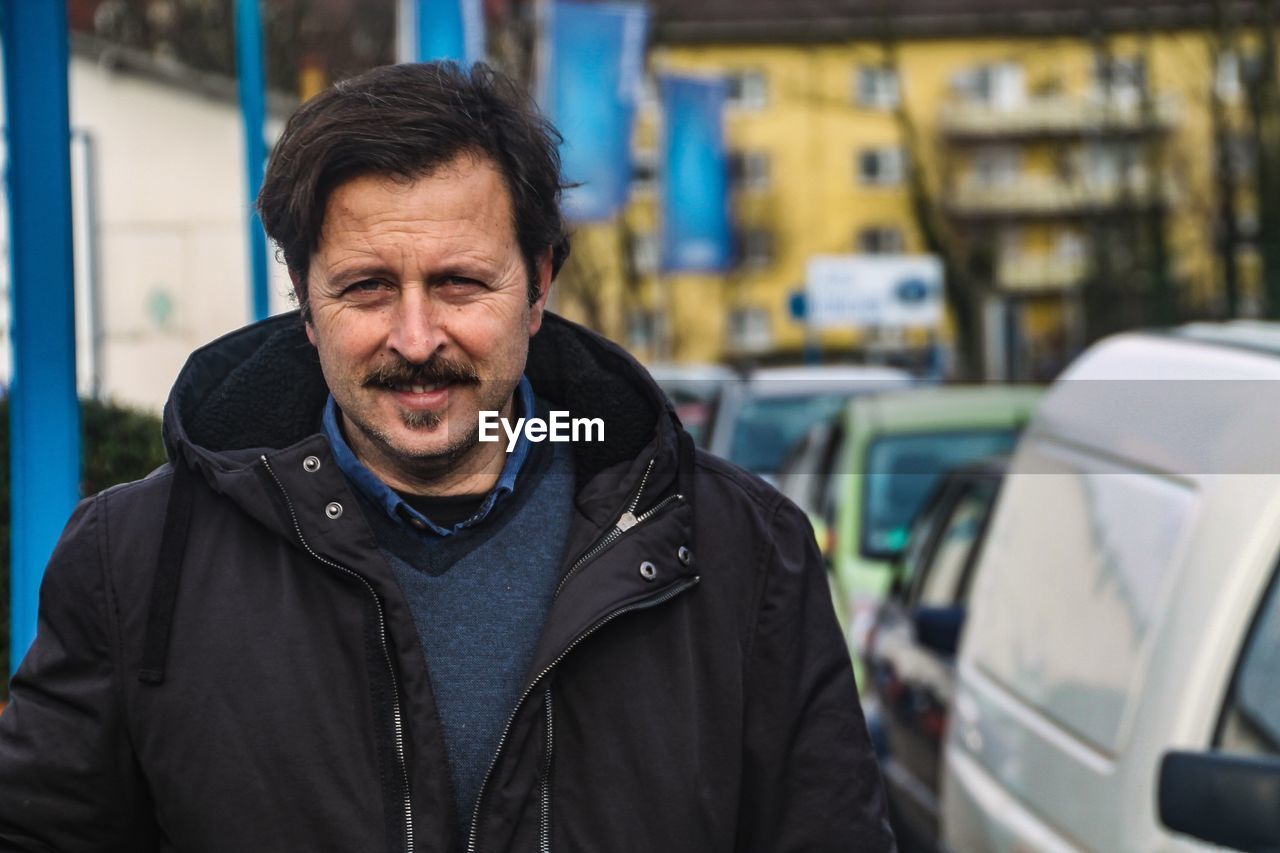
(259, 391)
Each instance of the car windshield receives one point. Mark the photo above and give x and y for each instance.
(902, 471)
(767, 427)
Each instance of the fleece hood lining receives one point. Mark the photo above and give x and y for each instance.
(262, 387)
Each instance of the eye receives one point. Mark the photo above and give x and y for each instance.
(368, 285)
(462, 283)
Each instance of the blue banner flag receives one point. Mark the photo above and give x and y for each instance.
(697, 235)
(592, 77)
(443, 29)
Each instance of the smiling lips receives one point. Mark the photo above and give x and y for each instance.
(420, 396)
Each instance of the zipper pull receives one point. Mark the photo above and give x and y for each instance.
(627, 521)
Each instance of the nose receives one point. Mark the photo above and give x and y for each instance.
(415, 333)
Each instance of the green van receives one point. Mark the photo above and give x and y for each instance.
(873, 468)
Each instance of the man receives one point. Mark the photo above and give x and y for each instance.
(360, 627)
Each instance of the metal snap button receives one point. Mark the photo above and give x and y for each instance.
(648, 570)
(333, 510)
(311, 464)
(684, 555)
(418, 523)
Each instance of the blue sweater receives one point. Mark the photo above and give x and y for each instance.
(479, 597)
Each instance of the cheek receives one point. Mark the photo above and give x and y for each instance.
(487, 334)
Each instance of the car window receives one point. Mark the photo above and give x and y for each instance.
(940, 582)
(766, 427)
(829, 486)
(1080, 555)
(903, 469)
(1251, 718)
(803, 474)
(935, 513)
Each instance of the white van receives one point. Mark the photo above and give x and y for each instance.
(1126, 606)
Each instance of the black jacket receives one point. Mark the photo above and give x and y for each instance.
(224, 662)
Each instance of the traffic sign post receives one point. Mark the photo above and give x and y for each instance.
(44, 412)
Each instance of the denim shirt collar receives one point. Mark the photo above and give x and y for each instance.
(395, 506)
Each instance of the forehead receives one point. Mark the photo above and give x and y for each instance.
(466, 197)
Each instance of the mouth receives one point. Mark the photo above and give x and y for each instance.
(407, 388)
(419, 397)
(423, 388)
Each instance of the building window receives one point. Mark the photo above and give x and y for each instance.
(996, 167)
(1114, 166)
(1120, 80)
(646, 329)
(1072, 247)
(1226, 81)
(644, 252)
(747, 90)
(1242, 157)
(882, 167)
(880, 240)
(755, 248)
(876, 87)
(750, 330)
(999, 85)
(644, 170)
(749, 170)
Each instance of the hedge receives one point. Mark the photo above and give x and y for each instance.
(120, 444)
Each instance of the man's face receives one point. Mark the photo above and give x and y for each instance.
(420, 314)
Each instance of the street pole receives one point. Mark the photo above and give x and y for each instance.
(430, 30)
(253, 108)
(44, 413)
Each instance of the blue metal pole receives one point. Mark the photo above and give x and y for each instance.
(442, 29)
(253, 107)
(44, 414)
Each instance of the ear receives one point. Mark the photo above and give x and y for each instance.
(300, 293)
(544, 291)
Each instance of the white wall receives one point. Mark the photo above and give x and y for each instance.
(170, 198)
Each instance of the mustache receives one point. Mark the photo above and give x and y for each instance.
(437, 370)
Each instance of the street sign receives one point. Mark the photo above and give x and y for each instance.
(874, 291)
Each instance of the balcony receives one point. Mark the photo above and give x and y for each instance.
(1037, 197)
(1036, 273)
(1058, 116)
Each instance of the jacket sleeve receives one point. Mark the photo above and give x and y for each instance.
(68, 779)
(811, 782)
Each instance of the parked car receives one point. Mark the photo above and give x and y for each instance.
(758, 419)
(805, 474)
(1118, 682)
(894, 449)
(910, 654)
(692, 389)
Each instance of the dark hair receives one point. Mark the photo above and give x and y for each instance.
(407, 121)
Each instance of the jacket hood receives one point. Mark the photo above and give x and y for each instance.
(260, 388)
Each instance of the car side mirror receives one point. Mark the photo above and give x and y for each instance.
(938, 628)
(1229, 800)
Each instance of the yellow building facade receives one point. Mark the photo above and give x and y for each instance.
(1031, 151)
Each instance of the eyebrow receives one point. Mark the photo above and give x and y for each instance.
(349, 272)
(357, 270)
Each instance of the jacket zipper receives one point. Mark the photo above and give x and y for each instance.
(625, 522)
(397, 718)
(644, 604)
(544, 824)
